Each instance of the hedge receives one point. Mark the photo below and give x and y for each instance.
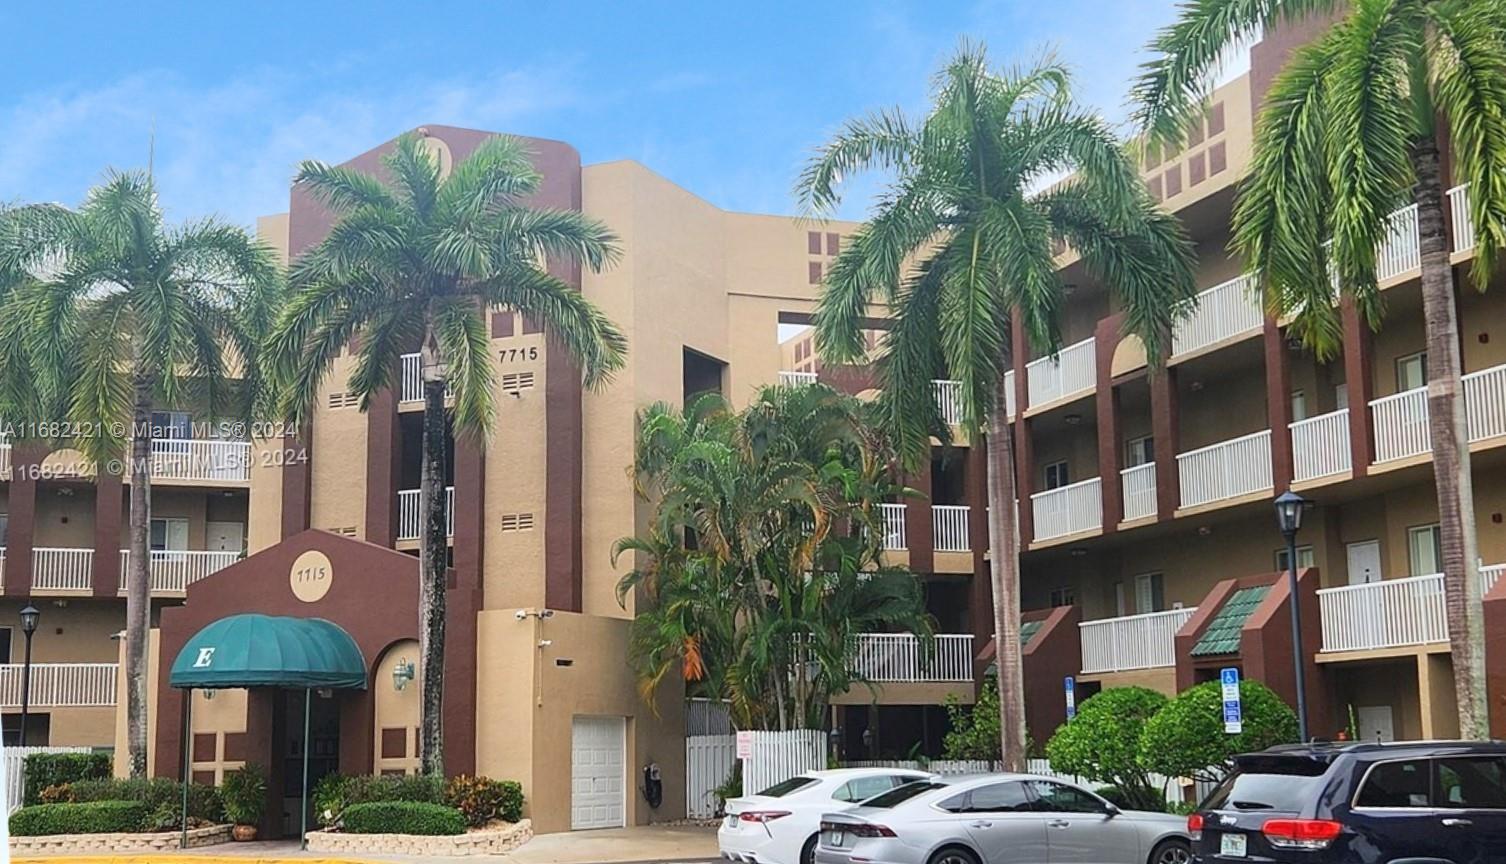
(56, 769)
(402, 817)
(335, 792)
(482, 799)
(1102, 743)
(162, 796)
(1187, 739)
(95, 817)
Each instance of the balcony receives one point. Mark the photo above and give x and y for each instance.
(1320, 446)
(1009, 406)
(172, 571)
(1464, 221)
(1139, 487)
(948, 399)
(1401, 249)
(208, 460)
(796, 379)
(1222, 312)
(894, 525)
(904, 658)
(1146, 641)
(1068, 509)
(62, 569)
(409, 520)
(1229, 469)
(949, 527)
(60, 685)
(1401, 420)
(1072, 372)
(1391, 613)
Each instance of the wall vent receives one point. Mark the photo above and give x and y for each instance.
(344, 400)
(517, 382)
(517, 522)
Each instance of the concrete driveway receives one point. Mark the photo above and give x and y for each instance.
(620, 845)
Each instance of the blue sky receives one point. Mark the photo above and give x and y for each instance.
(726, 99)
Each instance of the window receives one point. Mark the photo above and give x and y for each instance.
(1063, 596)
(1395, 784)
(1061, 798)
(1149, 593)
(5, 641)
(901, 794)
(833, 244)
(1139, 451)
(779, 790)
(863, 788)
(1056, 475)
(1425, 550)
(169, 535)
(1218, 158)
(1304, 559)
(999, 798)
(1341, 396)
(1269, 783)
(1120, 605)
(1411, 371)
(813, 242)
(1475, 784)
(815, 273)
(1299, 406)
(171, 424)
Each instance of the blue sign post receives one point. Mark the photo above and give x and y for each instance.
(1071, 686)
(1234, 716)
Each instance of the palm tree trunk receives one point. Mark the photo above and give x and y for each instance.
(433, 567)
(1004, 567)
(138, 584)
(1449, 435)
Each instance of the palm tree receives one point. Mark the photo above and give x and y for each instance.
(1350, 131)
(962, 243)
(120, 313)
(420, 262)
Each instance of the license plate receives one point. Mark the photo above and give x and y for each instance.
(1232, 845)
(731, 820)
(835, 838)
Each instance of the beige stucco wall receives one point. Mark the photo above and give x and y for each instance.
(337, 499)
(513, 561)
(397, 709)
(71, 630)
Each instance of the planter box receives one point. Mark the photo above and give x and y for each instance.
(488, 841)
(94, 844)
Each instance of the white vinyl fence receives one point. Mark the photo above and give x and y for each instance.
(778, 756)
(15, 771)
(708, 764)
(1171, 786)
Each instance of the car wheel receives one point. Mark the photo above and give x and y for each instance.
(1171, 852)
(954, 855)
(808, 851)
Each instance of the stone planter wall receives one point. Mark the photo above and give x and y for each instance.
(94, 844)
(484, 842)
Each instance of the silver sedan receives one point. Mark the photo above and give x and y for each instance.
(998, 819)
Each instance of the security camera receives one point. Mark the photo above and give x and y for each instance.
(547, 613)
(521, 614)
(545, 643)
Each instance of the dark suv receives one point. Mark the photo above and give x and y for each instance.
(1436, 802)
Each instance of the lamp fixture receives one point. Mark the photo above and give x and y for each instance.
(402, 673)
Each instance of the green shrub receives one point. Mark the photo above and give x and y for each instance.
(57, 769)
(1186, 738)
(94, 817)
(334, 793)
(402, 817)
(482, 799)
(1103, 743)
(158, 794)
(244, 792)
(974, 731)
(59, 794)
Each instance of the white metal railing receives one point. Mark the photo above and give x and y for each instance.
(1009, 400)
(1073, 370)
(904, 657)
(1485, 403)
(201, 459)
(172, 571)
(947, 399)
(1401, 250)
(894, 525)
(1145, 641)
(4, 460)
(1385, 614)
(1227, 469)
(413, 379)
(1320, 445)
(1068, 509)
(58, 569)
(796, 379)
(1139, 485)
(1401, 424)
(410, 520)
(1464, 221)
(1490, 574)
(1221, 312)
(949, 527)
(60, 685)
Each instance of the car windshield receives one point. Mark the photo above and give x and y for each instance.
(779, 790)
(901, 794)
(1284, 785)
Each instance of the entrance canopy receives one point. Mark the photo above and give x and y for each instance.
(251, 650)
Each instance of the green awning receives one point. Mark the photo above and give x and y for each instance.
(1222, 633)
(1028, 629)
(252, 650)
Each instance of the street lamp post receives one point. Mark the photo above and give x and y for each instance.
(29, 617)
(1289, 510)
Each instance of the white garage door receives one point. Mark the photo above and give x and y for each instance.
(598, 781)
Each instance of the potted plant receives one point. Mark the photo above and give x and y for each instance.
(244, 793)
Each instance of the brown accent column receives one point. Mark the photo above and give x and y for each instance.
(358, 727)
(26, 458)
(981, 594)
(297, 474)
(1106, 402)
(1278, 400)
(260, 704)
(1166, 425)
(1360, 385)
(168, 711)
(383, 457)
(918, 534)
(1495, 654)
(108, 504)
(1020, 356)
(462, 606)
(1024, 462)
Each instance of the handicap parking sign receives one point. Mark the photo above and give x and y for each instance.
(1233, 709)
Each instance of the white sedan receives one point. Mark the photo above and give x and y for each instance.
(780, 824)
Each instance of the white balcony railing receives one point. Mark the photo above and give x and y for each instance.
(1146, 641)
(1072, 371)
(1009, 400)
(58, 569)
(1489, 576)
(1225, 470)
(1464, 221)
(1401, 419)
(1069, 509)
(903, 657)
(171, 572)
(1320, 445)
(1485, 403)
(210, 459)
(60, 685)
(1390, 613)
(1139, 485)
(796, 379)
(949, 527)
(1222, 312)
(1401, 250)
(4, 460)
(894, 525)
(412, 389)
(948, 399)
(410, 521)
